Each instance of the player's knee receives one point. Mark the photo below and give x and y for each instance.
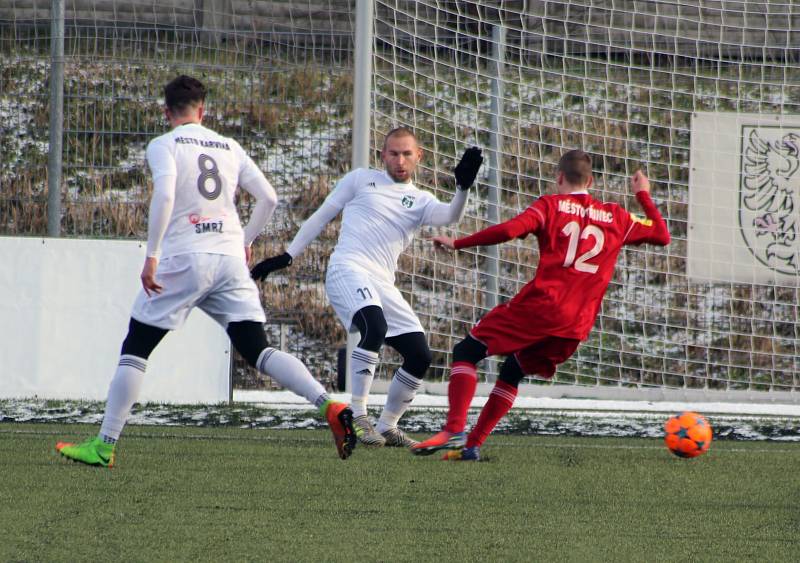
(249, 339)
(418, 364)
(511, 372)
(142, 339)
(413, 347)
(418, 361)
(469, 350)
(372, 325)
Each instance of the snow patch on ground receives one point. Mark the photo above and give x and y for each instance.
(530, 416)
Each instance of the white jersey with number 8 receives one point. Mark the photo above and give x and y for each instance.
(208, 167)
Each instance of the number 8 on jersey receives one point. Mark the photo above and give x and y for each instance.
(208, 173)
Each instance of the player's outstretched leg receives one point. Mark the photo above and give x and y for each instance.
(123, 392)
(417, 357)
(401, 392)
(289, 372)
(371, 324)
(460, 390)
(501, 399)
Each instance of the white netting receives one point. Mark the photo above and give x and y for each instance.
(620, 80)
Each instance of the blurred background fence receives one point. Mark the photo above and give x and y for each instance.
(525, 80)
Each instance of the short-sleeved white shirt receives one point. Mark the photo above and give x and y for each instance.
(208, 168)
(379, 219)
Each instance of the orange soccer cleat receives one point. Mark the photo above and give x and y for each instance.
(340, 421)
(444, 440)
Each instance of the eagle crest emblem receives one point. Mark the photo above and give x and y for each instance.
(769, 215)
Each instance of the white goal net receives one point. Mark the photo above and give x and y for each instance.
(703, 96)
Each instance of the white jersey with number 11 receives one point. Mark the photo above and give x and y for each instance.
(379, 219)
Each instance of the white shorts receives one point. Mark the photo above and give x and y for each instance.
(350, 288)
(218, 284)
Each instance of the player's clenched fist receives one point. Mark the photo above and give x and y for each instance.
(640, 182)
(467, 169)
(272, 264)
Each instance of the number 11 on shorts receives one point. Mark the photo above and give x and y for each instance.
(364, 293)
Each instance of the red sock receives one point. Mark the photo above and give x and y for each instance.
(500, 401)
(463, 381)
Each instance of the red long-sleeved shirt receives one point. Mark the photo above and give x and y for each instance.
(579, 240)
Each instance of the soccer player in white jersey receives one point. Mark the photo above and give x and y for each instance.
(381, 210)
(197, 255)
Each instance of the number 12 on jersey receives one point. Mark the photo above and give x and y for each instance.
(573, 231)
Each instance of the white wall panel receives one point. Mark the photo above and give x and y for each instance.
(64, 311)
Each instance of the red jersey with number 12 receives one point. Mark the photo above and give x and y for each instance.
(579, 240)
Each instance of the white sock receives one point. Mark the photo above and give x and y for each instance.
(362, 371)
(401, 392)
(290, 373)
(122, 394)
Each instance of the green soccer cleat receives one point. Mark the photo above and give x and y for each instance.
(93, 451)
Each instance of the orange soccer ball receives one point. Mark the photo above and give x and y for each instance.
(687, 434)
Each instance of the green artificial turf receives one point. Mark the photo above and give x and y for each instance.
(228, 494)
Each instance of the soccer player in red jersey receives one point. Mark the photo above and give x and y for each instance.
(541, 327)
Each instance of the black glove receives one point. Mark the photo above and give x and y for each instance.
(264, 268)
(467, 169)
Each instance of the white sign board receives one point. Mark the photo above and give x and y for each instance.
(64, 312)
(744, 198)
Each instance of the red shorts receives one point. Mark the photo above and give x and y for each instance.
(538, 353)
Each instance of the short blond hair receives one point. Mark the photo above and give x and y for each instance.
(401, 131)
